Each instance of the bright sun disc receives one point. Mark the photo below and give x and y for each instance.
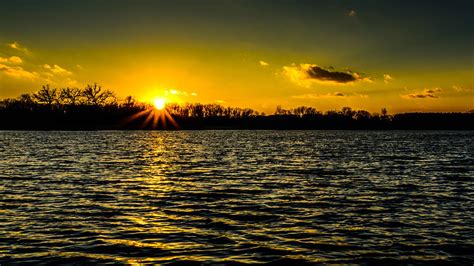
(159, 103)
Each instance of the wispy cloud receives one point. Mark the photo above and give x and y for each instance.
(460, 88)
(55, 69)
(17, 46)
(263, 63)
(425, 94)
(15, 59)
(43, 73)
(328, 95)
(58, 76)
(306, 74)
(11, 59)
(18, 72)
(387, 78)
(179, 93)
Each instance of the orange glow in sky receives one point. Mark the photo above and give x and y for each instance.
(316, 54)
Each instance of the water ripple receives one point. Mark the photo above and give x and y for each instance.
(237, 197)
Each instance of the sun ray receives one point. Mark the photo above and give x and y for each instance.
(171, 119)
(148, 119)
(157, 115)
(155, 121)
(137, 115)
(163, 119)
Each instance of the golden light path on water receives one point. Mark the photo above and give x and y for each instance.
(288, 197)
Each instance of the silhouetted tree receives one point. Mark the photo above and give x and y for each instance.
(26, 99)
(300, 111)
(72, 110)
(310, 111)
(94, 95)
(70, 96)
(197, 110)
(47, 96)
(348, 112)
(280, 111)
(129, 101)
(333, 113)
(362, 115)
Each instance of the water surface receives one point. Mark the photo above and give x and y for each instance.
(237, 197)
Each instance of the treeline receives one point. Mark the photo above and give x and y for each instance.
(94, 108)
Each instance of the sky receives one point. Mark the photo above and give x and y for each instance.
(401, 55)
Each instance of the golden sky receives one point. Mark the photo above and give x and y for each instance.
(403, 56)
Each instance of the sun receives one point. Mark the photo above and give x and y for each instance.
(159, 103)
(154, 115)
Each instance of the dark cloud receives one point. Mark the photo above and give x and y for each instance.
(426, 93)
(329, 95)
(431, 91)
(422, 96)
(319, 73)
(305, 73)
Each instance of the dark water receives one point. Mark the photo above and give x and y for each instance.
(288, 197)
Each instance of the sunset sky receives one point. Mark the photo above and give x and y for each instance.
(402, 55)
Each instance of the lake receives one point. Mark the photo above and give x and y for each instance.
(230, 197)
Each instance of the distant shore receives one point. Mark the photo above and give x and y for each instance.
(96, 109)
(99, 119)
